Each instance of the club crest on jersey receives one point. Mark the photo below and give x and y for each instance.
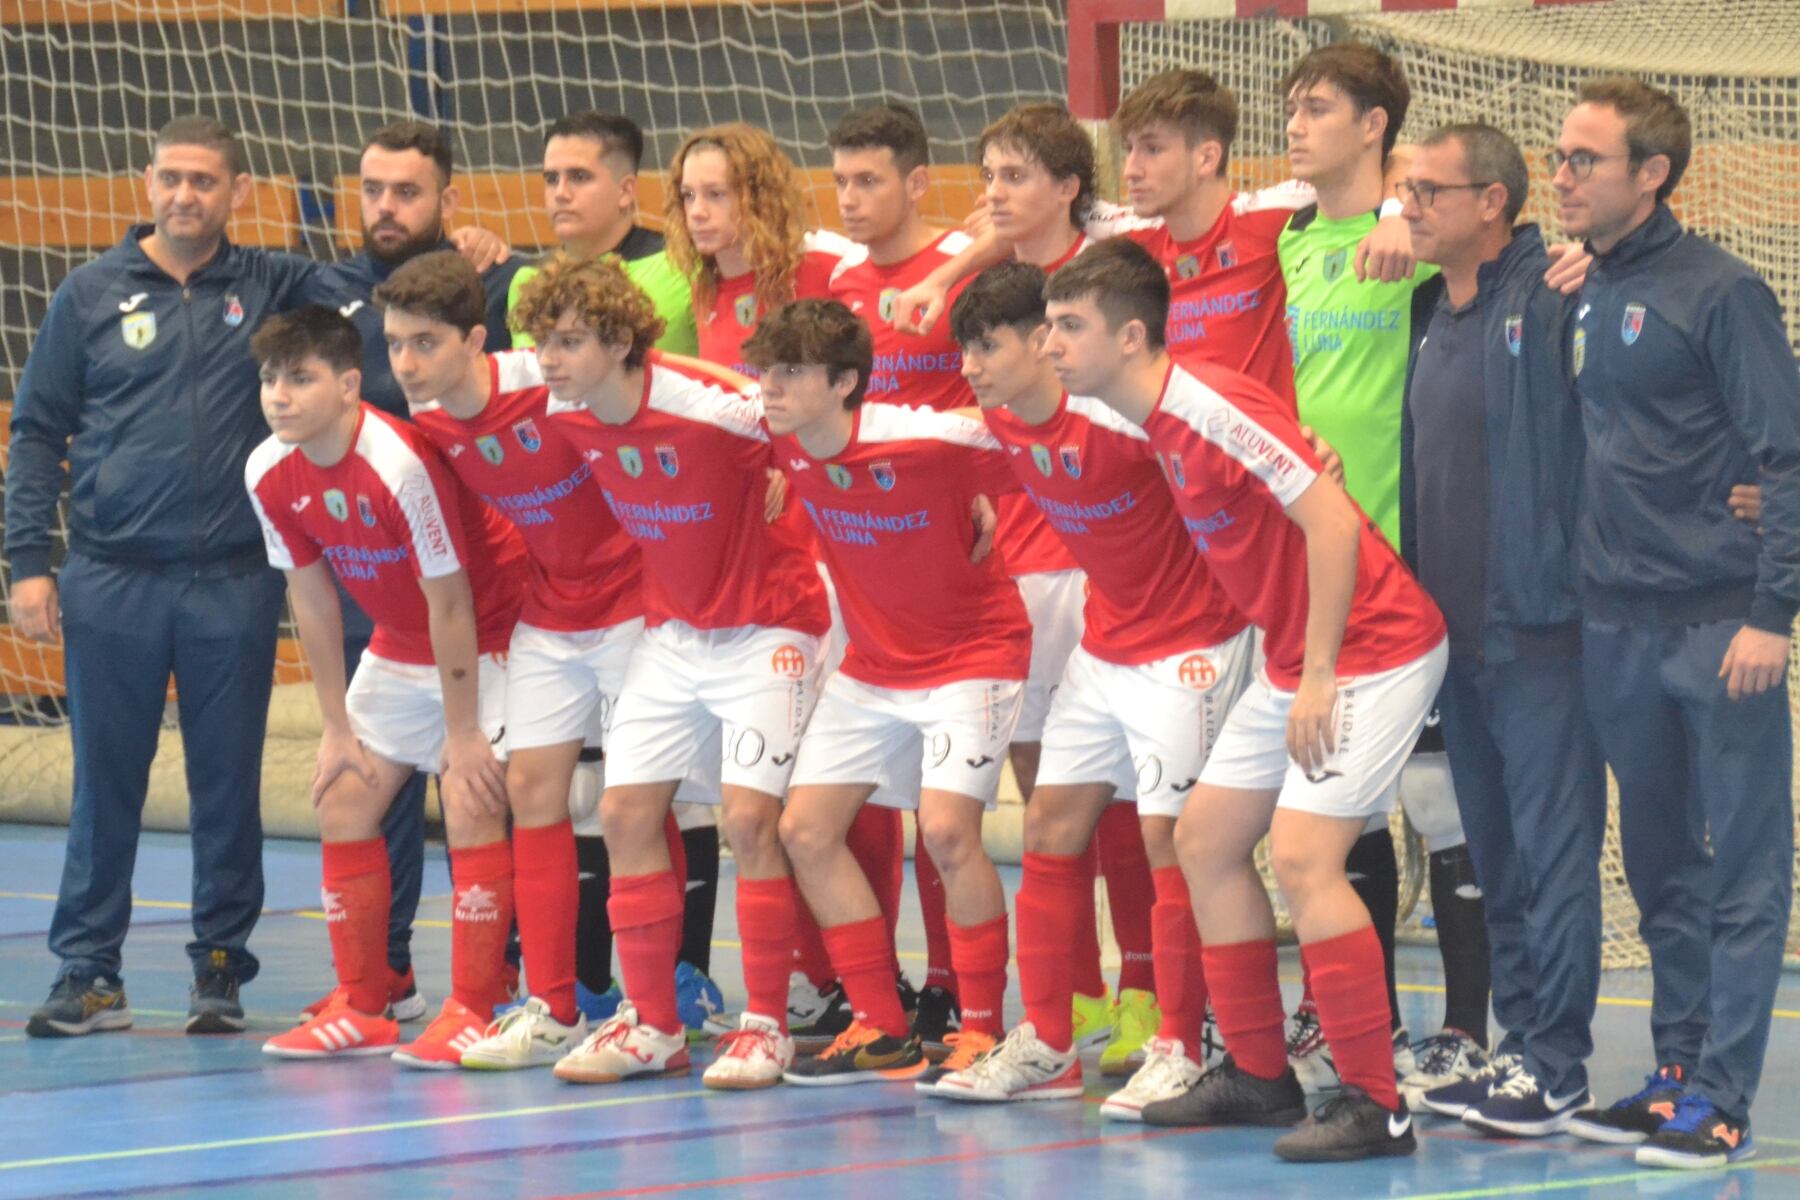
(337, 505)
(138, 329)
(1040, 455)
(745, 308)
(1632, 325)
(666, 459)
(840, 478)
(1515, 335)
(1071, 460)
(886, 305)
(1197, 671)
(1580, 349)
(490, 448)
(883, 474)
(1333, 265)
(365, 510)
(1187, 266)
(630, 461)
(234, 310)
(1227, 255)
(527, 433)
(788, 661)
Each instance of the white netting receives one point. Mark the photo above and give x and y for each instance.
(1735, 64)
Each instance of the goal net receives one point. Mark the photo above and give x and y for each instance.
(1735, 64)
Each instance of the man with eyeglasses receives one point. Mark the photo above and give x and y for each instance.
(1687, 386)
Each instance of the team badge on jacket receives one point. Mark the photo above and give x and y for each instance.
(1071, 460)
(886, 305)
(1186, 267)
(1515, 335)
(1334, 264)
(631, 461)
(840, 478)
(1040, 456)
(1632, 325)
(527, 433)
(138, 329)
(489, 445)
(883, 472)
(746, 310)
(234, 310)
(365, 510)
(337, 505)
(666, 459)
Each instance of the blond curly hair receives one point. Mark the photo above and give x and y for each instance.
(770, 214)
(602, 296)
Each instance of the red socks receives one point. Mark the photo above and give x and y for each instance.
(1180, 975)
(979, 952)
(1349, 982)
(481, 916)
(646, 920)
(356, 894)
(765, 916)
(1246, 996)
(877, 841)
(1051, 906)
(937, 923)
(546, 899)
(864, 958)
(811, 958)
(1130, 893)
(1087, 978)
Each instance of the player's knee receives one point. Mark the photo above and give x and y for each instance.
(954, 841)
(627, 820)
(536, 797)
(752, 829)
(1048, 831)
(1300, 869)
(345, 815)
(1192, 844)
(804, 840)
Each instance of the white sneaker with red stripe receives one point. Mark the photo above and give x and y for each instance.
(441, 1046)
(753, 1055)
(338, 1032)
(1023, 1067)
(1167, 1073)
(624, 1049)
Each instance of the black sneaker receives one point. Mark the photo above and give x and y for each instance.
(80, 1004)
(1349, 1126)
(1637, 1116)
(939, 1016)
(909, 997)
(1517, 1105)
(1455, 1099)
(814, 1036)
(213, 1000)
(1697, 1137)
(1226, 1095)
(862, 1054)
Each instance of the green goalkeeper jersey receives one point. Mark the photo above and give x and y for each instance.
(648, 265)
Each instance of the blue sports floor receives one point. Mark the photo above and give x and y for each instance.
(153, 1112)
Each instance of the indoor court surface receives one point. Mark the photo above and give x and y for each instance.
(155, 1113)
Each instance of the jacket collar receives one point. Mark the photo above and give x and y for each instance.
(133, 248)
(1654, 236)
(371, 267)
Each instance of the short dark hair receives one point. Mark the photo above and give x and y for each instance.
(821, 333)
(1490, 157)
(310, 330)
(1123, 280)
(618, 135)
(1192, 101)
(428, 140)
(209, 132)
(441, 286)
(1655, 123)
(1008, 295)
(890, 126)
(1048, 134)
(1369, 77)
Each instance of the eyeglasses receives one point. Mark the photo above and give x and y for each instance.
(1580, 164)
(1427, 193)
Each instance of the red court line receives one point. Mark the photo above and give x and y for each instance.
(893, 1164)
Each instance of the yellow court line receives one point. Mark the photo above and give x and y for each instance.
(1587, 1181)
(308, 1135)
(51, 896)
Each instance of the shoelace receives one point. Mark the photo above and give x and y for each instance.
(1691, 1111)
(853, 1038)
(1516, 1086)
(966, 1049)
(1437, 1054)
(997, 1063)
(1500, 1064)
(1306, 1028)
(743, 1043)
(1161, 1071)
(1654, 1082)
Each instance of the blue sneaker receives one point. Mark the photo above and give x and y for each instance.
(1516, 1106)
(599, 1006)
(1697, 1137)
(1637, 1116)
(1454, 1099)
(696, 997)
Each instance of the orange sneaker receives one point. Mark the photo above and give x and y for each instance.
(338, 1032)
(966, 1045)
(441, 1046)
(404, 1002)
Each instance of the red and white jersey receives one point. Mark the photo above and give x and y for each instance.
(686, 477)
(917, 369)
(1099, 485)
(386, 515)
(728, 324)
(1233, 454)
(584, 572)
(892, 516)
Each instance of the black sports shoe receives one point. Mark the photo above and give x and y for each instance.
(1697, 1137)
(80, 1004)
(813, 1036)
(939, 1016)
(909, 997)
(1226, 1095)
(1349, 1126)
(213, 1000)
(862, 1055)
(1637, 1116)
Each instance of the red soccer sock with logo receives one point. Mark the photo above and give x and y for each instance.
(1246, 996)
(864, 958)
(1130, 893)
(547, 901)
(877, 840)
(1087, 977)
(481, 915)
(1051, 904)
(765, 915)
(646, 921)
(1350, 987)
(938, 969)
(979, 952)
(1180, 973)
(357, 893)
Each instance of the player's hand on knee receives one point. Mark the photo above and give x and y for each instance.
(473, 779)
(1745, 503)
(35, 611)
(1755, 661)
(986, 521)
(1312, 732)
(340, 753)
(1569, 263)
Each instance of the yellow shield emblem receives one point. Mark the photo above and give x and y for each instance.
(138, 329)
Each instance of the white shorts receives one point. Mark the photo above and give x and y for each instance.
(1145, 729)
(1378, 719)
(748, 691)
(397, 709)
(1055, 601)
(950, 738)
(556, 681)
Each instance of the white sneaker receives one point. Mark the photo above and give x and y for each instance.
(1022, 1067)
(526, 1036)
(1308, 1054)
(1404, 1062)
(623, 1049)
(752, 1056)
(1167, 1072)
(1439, 1061)
(806, 1003)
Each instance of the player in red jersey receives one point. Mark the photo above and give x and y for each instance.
(728, 668)
(341, 488)
(1355, 653)
(929, 689)
(1163, 656)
